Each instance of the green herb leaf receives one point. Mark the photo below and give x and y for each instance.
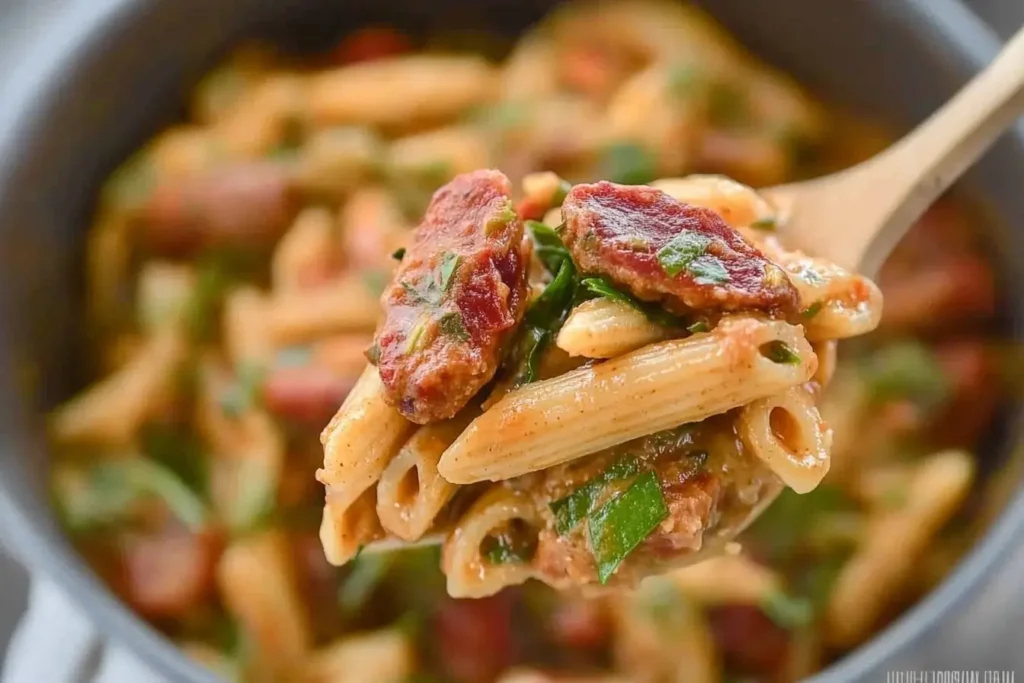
(449, 262)
(143, 477)
(767, 223)
(244, 392)
(577, 506)
(698, 327)
(212, 282)
(708, 270)
(681, 251)
(787, 611)
(500, 220)
(398, 254)
(786, 523)
(174, 447)
(624, 522)
(415, 339)
(812, 310)
(549, 247)
(564, 187)
(628, 163)
(531, 348)
(906, 370)
(601, 286)
(452, 326)
(503, 550)
(779, 352)
(368, 572)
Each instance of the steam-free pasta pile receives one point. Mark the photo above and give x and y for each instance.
(236, 269)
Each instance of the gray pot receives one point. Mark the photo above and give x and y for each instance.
(108, 73)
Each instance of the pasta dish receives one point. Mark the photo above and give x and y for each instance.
(584, 418)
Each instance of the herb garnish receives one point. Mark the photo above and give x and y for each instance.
(906, 370)
(575, 507)
(398, 254)
(780, 352)
(812, 310)
(504, 550)
(602, 287)
(431, 290)
(698, 327)
(624, 522)
(244, 392)
(767, 223)
(787, 611)
(628, 163)
(452, 326)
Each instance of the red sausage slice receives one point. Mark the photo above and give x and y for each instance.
(458, 294)
(665, 250)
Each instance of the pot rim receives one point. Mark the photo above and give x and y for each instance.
(48, 62)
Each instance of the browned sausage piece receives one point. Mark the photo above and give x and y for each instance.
(168, 574)
(458, 294)
(239, 205)
(665, 250)
(309, 394)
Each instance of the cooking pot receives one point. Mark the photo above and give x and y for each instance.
(106, 74)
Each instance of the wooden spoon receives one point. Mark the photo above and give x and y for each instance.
(855, 217)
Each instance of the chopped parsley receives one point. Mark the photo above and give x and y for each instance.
(687, 251)
(812, 310)
(572, 509)
(505, 550)
(500, 220)
(452, 326)
(780, 352)
(623, 523)
(398, 254)
(628, 163)
(602, 287)
(244, 392)
(431, 290)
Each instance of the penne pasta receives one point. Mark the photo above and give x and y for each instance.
(343, 304)
(346, 529)
(786, 433)
(257, 124)
(308, 250)
(475, 554)
(246, 336)
(401, 91)
(726, 580)
(411, 493)
(530, 72)
(336, 161)
(112, 410)
(740, 206)
(382, 656)
(602, 328)
(658, 387)
(164, 292)
(452, 150)
(894, 544)
(257, 583)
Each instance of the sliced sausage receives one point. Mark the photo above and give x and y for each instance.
(474, 637)
(309, 394)
(458, 294)
(240, 205)
(169, 573)
(749, 641)
(665, 250)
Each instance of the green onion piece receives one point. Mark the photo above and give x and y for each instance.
(780, 352)
(768, 223)
(681, 251)
(624, 522)
(398, 254)
(451, 325)
(812, 310)
(368, 571)
(244, 392)
(787, 611)
(628, 163)
(698, 327)
(577, 506)
(708, 270)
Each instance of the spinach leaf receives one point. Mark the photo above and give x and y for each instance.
(624, 522)
(780, 352)
(600, 286)
(906, 370)
(368, 571)
(575, 507)
(504, 550)
(548, 246)
(628, 163)
(244, 392)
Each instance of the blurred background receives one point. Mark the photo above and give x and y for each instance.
(993, 616)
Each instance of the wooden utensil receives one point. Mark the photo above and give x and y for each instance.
(855, 217)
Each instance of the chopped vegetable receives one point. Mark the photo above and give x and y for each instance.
(787, 611)
(504, 550)
(784, 525)
(708, 270)
(452, 326)
(779, 352)
(624, 522)
(432, 289)
(767, 223)
(244, 392)
(178, 450)
(601, 286)
(698, 327)
(906, 370)
(564, 186)
(682, 251)
(549, 247)
(628, 163)
(575, 507)
(212, 282)
(368, 571)
(812, 310)
(398, 254)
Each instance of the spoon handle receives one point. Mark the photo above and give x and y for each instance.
(874, 203)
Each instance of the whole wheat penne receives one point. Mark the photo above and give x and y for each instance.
(726, 580)
(400, 91)
(452, 150)
(309, 246)
(786, 433)
(257, 583)
(894, 544)
(345, 529)
(657, 387)
(411, 493)
(112, 410)
(464, 559)
(246, 335)
(378, 657)
(343, 304)
(602, 328)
